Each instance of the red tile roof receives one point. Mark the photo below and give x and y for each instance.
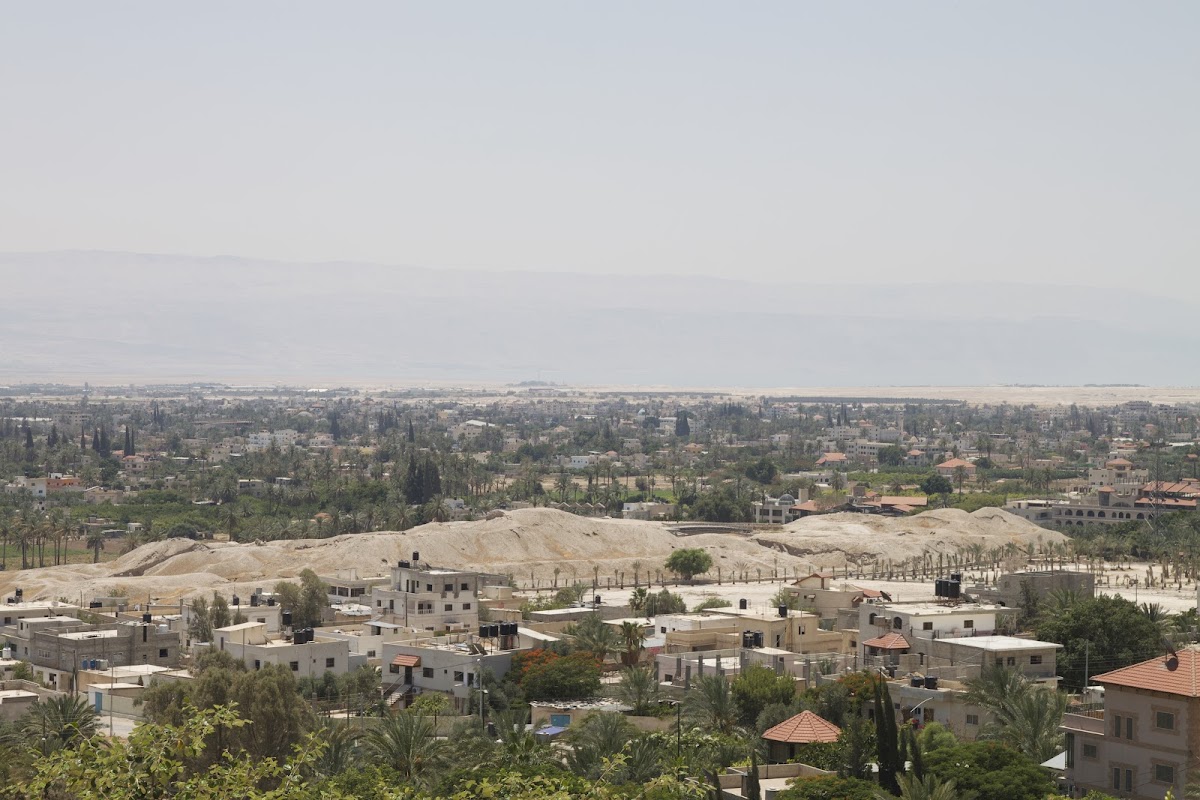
(889, 641)
(406, 661)
(1179, 675)
(955, 462)
(804, 728)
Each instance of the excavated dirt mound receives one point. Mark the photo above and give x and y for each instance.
(527, 543)
(835, 539)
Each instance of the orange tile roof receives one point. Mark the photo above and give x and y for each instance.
(954, 462)
(804, 728)
(889, 500)
(403, 660)
(889, 641)
(1157, 675)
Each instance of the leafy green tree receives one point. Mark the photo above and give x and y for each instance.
(829, 788)
(306, 601)
(664, 602)
(757, 687)
(990, 771)
(1104, 630)
(200, 627)
(155, 762)
(937, 484)
(546, 675)
(689, 562)
(218, 613)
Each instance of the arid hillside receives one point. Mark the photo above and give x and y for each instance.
(527, 543)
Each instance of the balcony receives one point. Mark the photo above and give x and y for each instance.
(1084, 721)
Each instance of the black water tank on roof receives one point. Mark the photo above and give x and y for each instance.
(254, 601)
(783, 611)
(147, 618)
(285, 617)
(416, 556)
(743, 604)
(953, 590)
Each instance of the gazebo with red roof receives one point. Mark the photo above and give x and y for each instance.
(804, 728)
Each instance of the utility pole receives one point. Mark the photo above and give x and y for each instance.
(1086, 652)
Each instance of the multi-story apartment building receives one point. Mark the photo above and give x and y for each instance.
(1141, 744)
(57, 647)
(895, 628)
(430, 599)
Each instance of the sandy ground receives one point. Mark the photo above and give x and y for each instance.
(531, 545)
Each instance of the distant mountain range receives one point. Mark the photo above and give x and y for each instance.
(130, 316)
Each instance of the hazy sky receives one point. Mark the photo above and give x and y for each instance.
(837, 141)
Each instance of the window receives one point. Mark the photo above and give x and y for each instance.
(897, 623)
(370, 654)
(1012, 661)
(968, 623)
(449, 587)
(295, 666)
(1090, 751)
(1129, 780)
(449, 607)
(394, 669)
(426, 672)
(458, 677)
(1164, 720)
(163, 652)
(1035, 659)
(429, 587)
(466, 606)
(972, 719)
(465, 587)
(1164, 773)
(1117, 729)
(926, 626)
(1129, 727)
(1070, 754)
(330, 662)
(1117, 778)
(262, 620)
(257, 664)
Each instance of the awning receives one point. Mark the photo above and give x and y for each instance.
(1058, 762)
(552, 730)
(891, 641)
(403, 660)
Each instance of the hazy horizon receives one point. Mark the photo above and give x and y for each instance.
(801, 143)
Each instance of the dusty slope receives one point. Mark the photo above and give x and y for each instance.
(521, 542)
(830, 538)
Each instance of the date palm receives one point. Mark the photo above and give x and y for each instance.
(60, 722)
(638, 689)
(710, 706)
(406, 743)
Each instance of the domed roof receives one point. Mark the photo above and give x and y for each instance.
(786, 498)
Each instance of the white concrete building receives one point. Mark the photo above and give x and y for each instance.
(249, 643)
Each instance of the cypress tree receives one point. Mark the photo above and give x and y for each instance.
(52, 439)
(886, 738)
(335, 427)
(412, 482)
(96, 439)
(132, 442)
(412, 432)
(431, 481)
(753, 792)
(128, 445)
(682, 428)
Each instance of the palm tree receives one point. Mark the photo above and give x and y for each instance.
(637, 600)
(406, 743)
(594, 636)
(926, 788)
(638, 689)
(1163, 619)
(710, 705)
(1023, 715)
(631, 636)
(341, 749)
(95, 540)
(60, 721)
(599, 737)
